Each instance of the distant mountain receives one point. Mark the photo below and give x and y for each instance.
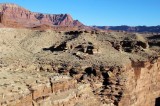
(12, 15)
(131, 29)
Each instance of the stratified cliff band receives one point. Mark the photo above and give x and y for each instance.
(13, 15)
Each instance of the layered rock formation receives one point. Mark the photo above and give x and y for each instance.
(142, 84)
(77, 68)
(12, 15)
(74, 67)
(20, 88)
(131, 28)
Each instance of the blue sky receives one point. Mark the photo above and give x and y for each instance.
(99, 12)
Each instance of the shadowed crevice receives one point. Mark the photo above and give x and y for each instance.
(61, 47)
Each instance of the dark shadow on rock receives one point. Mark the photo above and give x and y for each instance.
(157, 102)
(154, 37)
(90, 71)
(61, 47)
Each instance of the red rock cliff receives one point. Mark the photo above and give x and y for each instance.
(13, 15)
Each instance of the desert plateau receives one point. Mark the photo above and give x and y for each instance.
(54, 60)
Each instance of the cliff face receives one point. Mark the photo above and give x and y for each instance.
(15, 16)
(142, 84)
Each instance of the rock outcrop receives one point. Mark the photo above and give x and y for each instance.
(12, 15)
(77, 68)
(142, 84)
(20, 88)
(75, 65)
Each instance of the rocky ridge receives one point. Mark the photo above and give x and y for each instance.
(12, 15)
(141, 29)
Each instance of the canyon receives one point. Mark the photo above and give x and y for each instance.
(49, 68)
(53, 60)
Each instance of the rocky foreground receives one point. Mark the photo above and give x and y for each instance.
(78, 68)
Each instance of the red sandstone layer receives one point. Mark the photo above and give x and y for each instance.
(12, 15)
